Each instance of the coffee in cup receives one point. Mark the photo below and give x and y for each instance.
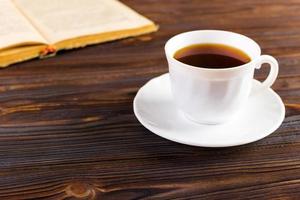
(209, 55)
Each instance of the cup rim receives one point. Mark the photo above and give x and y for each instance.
(212, 69)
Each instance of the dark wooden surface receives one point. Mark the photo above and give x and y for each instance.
(67, 128)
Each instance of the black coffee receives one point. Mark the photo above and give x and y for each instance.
(212, 56)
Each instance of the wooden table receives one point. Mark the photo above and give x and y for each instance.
(68, 130)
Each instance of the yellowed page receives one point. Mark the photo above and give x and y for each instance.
(60, 20)
(15, 29)
(19, 54)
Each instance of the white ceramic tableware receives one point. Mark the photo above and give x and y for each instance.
(155, 108)
(214, 96)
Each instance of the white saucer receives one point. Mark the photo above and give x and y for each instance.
(155, 109)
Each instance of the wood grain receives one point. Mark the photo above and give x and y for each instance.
(68, 130)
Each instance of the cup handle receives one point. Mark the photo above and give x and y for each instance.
(273, 69)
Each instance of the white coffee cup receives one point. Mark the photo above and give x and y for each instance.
(213, 96)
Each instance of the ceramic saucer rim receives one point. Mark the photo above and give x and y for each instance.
(162, 134)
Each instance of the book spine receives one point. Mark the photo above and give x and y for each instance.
(49, 51)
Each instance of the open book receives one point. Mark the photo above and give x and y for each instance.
(38, 28)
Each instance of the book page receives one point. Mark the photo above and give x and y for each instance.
(15, 29)
(59, 20)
